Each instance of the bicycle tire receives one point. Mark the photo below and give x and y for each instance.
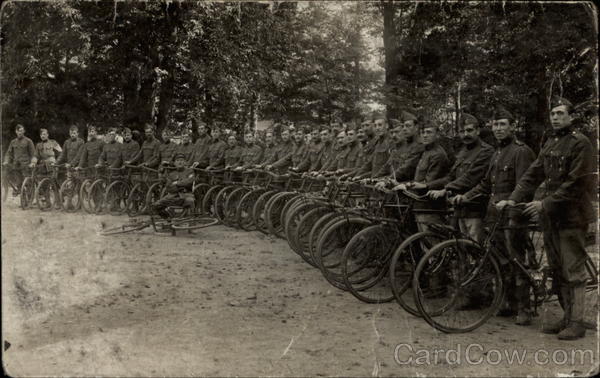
(220, 200)
(27, 193)
(366, 274)
(69, 196)
(194, 223)
(243, 212)
(199, 191)
(273, 210)
(403, 264)
(293, 222)
(231, 204)
(117, 191)
(317, 230)
(258, 211)
(301, 236)
(463, 258)
(96, 196)
(153, 194)
(46, 194)
(209, 200)
(331, 246)
(136, 200)
(84, 195)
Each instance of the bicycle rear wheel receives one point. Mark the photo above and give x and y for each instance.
(455, 290)
(273, 210)
(231, 205)
(84, 195)
(199, 192)
(259, 213)
(403, 263)
(220, 201)
(96, 196)
(69, 196)
(46, 194)
(115, 197)
(301, 236)
(208, 202)
(136, 201)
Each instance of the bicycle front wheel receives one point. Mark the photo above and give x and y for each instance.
(27, 193)
(456, 288)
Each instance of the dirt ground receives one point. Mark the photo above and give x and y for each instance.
(223, 302)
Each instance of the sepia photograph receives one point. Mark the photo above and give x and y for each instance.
(250, 188)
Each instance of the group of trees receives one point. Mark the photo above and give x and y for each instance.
(128, 63)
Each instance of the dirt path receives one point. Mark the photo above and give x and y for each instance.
(221, 302)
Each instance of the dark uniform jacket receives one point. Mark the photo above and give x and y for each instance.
(233, 156)
(200, 154)
(378, 157)
(184, 178)
(294, 154)
(566, 166)
(434, 164)
(508, 163)
(148, 153)
(251, 155)
(90, 153)
(468, 170)
(45, 152)
(407, 158)
(270, 154)
(166, 152)
(349, 157)
(111, 155)
(130, 149)
(216, 154)
(312, 158)
(21, 152)
(328, 155)
(70, 152)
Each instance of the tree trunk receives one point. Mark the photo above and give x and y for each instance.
(390, 47)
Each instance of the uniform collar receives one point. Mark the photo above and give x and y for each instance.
(431, 146)
(506, 142)
(473, 145)
(562, 132)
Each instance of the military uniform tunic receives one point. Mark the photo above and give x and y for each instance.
(148, 153)
(45, 152)
(21, 152)
(90, 153)
(200, 154)
(129, 149)
(327, 157)
(270, 154)
(111, 155)
(233, 156)
(71, 151)
(166, 152)
(377, 158)
(251, 155)
(566, 166)
(187, 150)
(216, 154)
(312, 158)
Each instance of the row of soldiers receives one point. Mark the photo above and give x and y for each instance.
(408, 154)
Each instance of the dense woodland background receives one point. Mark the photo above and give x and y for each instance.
(128, 63)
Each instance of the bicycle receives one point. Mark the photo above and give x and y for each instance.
(70, 190)
(47, 193)
(10, 181)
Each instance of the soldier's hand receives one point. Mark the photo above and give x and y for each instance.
(195, 164)
(502, 204)
(380, 184)
(457, 200)
(400, 187)
(532, 209)
(435, 194)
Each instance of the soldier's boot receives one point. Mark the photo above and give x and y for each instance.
(575, 329)
(558, 326)
(525, 314)
(510, 305)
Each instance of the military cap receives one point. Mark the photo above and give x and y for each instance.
(558, 101)
(502, 113)
(468, 119)
(395, 122)
(179, 156)
(406, 116)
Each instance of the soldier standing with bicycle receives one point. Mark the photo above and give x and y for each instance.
(566, 166)
(21, 153)
(508, 163)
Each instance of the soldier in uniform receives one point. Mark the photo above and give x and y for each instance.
(338, 156)
(295, 155)
(199, 157)
(111, 151)
(468, 170)
(432, 165)
(312, 159)
(178, 187)
(46, 150)
(233, 154)
(380, 152)
(20, 154)
(251, 154)
(566, 166)
(71, 148)
(270, 153)
(166, 150)
(327, 152)
(149, 151)
(91, 150)
(349, 159)
(187, 147)
(216, 151)
(130, 147)
(508, 163)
